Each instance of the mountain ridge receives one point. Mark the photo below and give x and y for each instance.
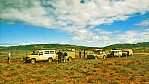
(141, 46)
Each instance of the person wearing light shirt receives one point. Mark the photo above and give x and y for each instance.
(9, 57)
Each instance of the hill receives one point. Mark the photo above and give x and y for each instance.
(143, 44)
(45, 46)
(139, 47)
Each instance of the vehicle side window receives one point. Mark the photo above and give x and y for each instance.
(46, 52)
(51, 52)
(115, 52)
(40, 53)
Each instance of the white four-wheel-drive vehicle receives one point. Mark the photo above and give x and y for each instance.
(115, 53)
(127, 52)
(41, 55)
(120, 53)
(96, 54)
(70, 55)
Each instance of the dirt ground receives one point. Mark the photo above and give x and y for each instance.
(130, 70)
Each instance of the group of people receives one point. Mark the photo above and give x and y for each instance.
(62, 56)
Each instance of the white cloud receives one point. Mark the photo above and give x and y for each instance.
(134, 36)
(72, 16)
(86, 37)
(28, 43)
(144, 23)
(48, 13)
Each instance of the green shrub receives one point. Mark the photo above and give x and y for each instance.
(48, 71)
(144, 79)
(109, 64)
(14, 73)
(123, 71)
(142, 72)
(18, 65)
(3, 68)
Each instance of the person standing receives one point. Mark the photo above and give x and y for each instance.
(65, 54)
(80, 54)
(84, 53)
(60, 55)
(112, 53)
(9, 57)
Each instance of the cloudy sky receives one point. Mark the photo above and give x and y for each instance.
(80, 22)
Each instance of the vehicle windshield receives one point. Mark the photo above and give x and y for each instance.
(97, 52)
(34, 53)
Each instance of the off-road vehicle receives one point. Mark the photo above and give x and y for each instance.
(96, 54)
(71, 54)
(115, 53)
(41, 55)
(127, 52)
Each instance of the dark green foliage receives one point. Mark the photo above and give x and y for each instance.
(143, 44)
(139, 47)
(46, 46)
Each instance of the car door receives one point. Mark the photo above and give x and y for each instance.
(116, 53)
(46, 55)
(52, 54)
(41, 55)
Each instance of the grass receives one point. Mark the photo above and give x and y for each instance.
(133, 69)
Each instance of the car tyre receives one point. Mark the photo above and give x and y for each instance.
(104, 57)
(70, 59)
(50, 60)
(33, 61)
(96, 57)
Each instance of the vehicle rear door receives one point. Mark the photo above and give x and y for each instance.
(118, 53)
(46, 54)
(52, 54)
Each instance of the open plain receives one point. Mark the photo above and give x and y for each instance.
(126, 70)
